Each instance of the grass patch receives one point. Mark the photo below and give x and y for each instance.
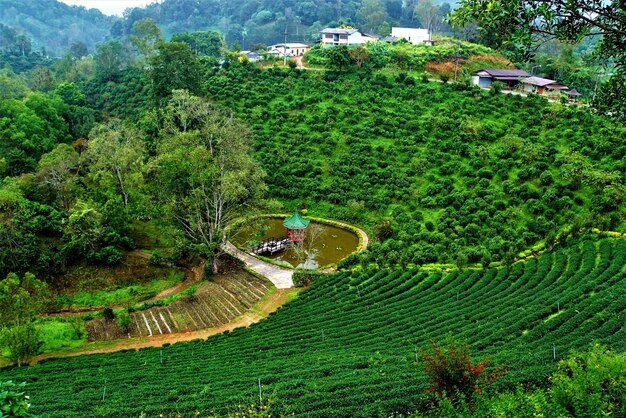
(123, 295)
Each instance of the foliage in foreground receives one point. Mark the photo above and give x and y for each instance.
(585, 384)
(13, 400)
(21, 299)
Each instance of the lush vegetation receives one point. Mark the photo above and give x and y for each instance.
(53, 26)
(155, 145)
(350, 344)
(443, 173)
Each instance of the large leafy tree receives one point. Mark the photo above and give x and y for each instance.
(115, 154)
(174, 66)
(202, 43)
(109, 60)
(205, 173)
(58, 170)
(372, 14)
(21, 298)
(145, 37)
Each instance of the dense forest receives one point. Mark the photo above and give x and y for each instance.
(55, 26)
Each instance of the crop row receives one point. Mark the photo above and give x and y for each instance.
(349, 345)
(214, 304)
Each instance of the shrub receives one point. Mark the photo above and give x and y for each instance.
(384, 230)
(13, 400)
(305, 277)
(496, 87)
(108, 314)
(108, 256)
(591, 384)
(452, 374)
(123, 321)
(155, 258)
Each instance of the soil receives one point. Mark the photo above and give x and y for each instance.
(268, 305)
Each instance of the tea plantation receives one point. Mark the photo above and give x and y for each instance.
(348, 345)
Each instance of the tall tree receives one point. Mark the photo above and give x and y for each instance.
(58, 170)
(429, 15)
(110, 59)
(145, 37)
(206, 175)
(20, 300)
(115, 155)
(371, 14)
(78, 50)
(202, 43)
(174, 66)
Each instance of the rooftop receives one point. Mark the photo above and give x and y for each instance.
(505, 73)
(339, 31)
(538, 81)
(289, 45)
(296, 221)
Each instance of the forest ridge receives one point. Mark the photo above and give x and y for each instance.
(55, 26)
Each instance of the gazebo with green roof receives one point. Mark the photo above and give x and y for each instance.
(296, 227)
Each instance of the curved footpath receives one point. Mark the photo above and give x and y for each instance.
(282, 278)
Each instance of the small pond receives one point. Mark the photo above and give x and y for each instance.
(324, 244)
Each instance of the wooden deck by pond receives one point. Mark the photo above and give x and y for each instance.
(272, 245)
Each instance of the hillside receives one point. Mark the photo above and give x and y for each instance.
(347, 346)
(55, 26)
(442, 173)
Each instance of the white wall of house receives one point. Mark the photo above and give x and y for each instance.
(291, 50)
(414, 35)
(355, 38)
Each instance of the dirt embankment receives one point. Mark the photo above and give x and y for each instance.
(266, 306)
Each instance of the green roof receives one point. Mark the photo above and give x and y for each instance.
(296, 221)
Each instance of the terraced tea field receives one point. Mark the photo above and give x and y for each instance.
(216, 303)
(348, 345)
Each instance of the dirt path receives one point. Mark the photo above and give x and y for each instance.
(259, 311)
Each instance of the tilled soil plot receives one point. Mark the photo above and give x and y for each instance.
(215, 303)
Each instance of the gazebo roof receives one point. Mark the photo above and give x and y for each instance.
(573, 92)
(296, 221)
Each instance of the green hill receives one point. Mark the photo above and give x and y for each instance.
(443, 173)
(55, 25)
(347, 346)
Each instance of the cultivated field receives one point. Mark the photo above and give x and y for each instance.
(216, 303)
(348, 345)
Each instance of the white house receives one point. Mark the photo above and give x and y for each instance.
(414, 35)
(344, 36)
(288, 49)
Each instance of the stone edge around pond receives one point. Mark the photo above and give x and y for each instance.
(360, 233)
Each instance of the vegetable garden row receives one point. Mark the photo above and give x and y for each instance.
(216, 303)
(348, 346)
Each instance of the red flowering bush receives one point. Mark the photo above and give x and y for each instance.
(452, 374)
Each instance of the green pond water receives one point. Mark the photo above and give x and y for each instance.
(324, 244)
